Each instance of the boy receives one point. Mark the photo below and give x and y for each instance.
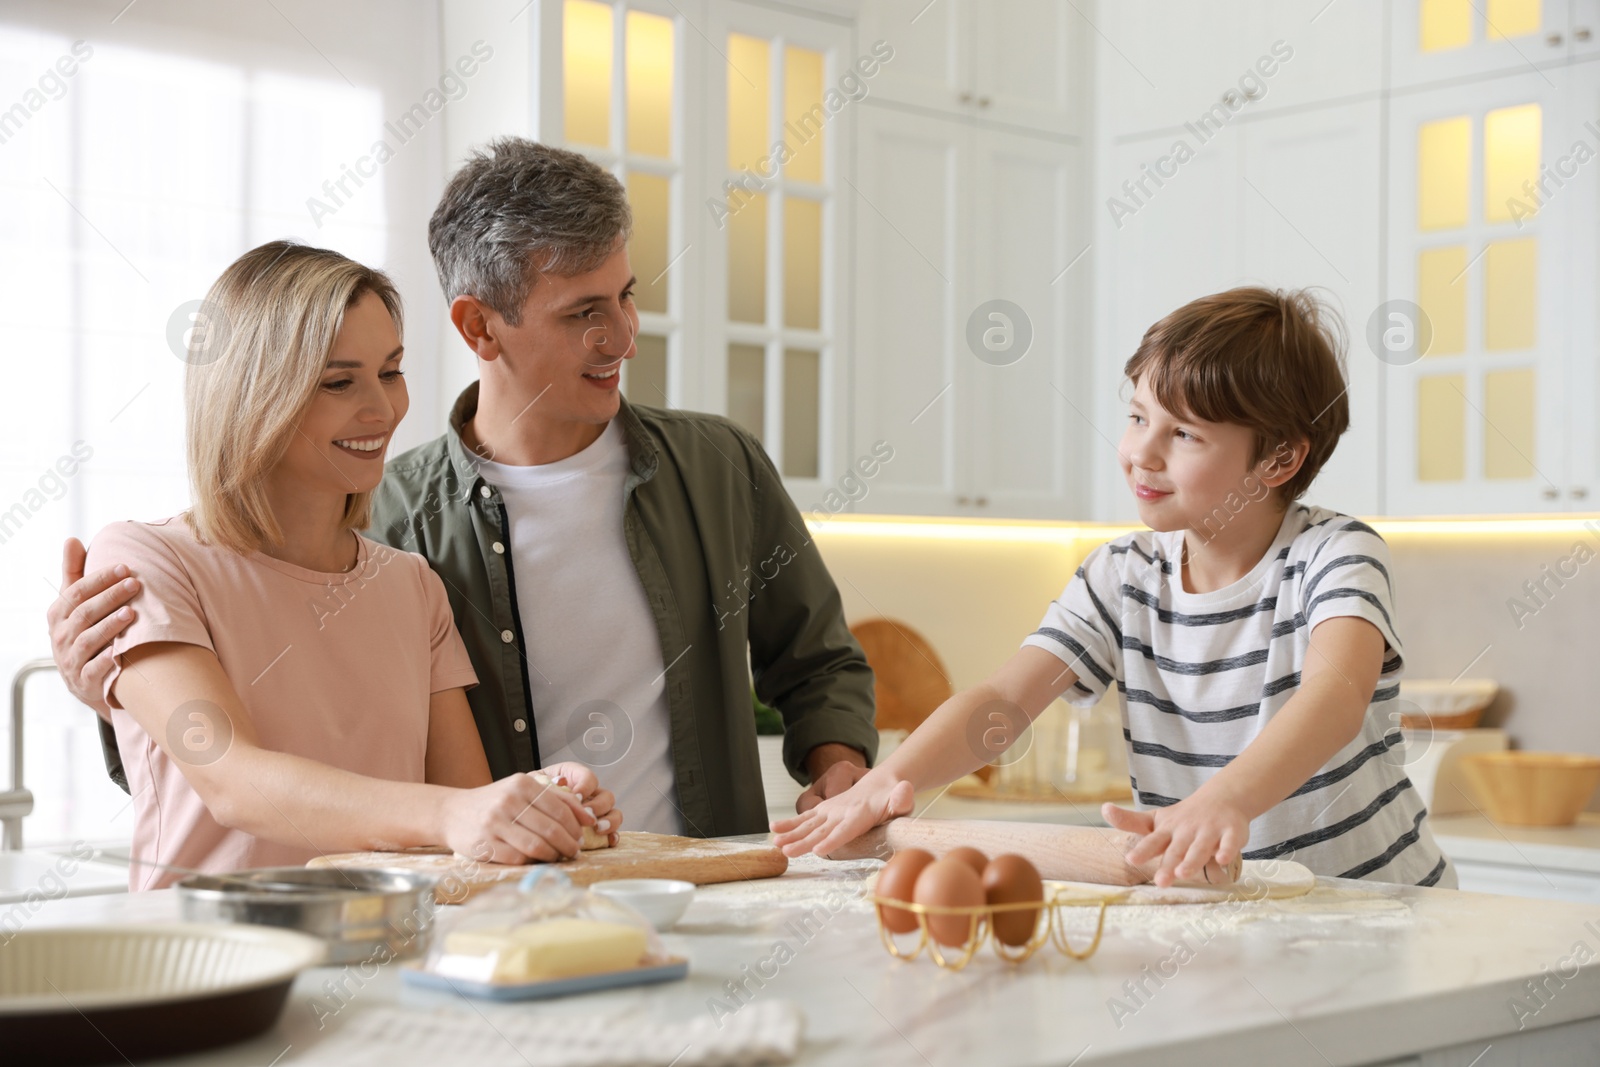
(1250, 637)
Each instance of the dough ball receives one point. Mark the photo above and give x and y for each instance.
(592, 838)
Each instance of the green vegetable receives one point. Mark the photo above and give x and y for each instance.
(768, 721)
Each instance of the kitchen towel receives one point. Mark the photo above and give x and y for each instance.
(757, 1033)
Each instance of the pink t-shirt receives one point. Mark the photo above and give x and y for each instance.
(337, 668)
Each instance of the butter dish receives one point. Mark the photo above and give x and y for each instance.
(669, 970)
(543, 937)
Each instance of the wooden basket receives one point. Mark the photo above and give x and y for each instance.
(1533, 788)
(1442, 705)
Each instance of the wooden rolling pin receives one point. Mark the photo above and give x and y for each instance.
(1065, 853)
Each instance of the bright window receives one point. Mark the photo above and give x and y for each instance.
(128, 189)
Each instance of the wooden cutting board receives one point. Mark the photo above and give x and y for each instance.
(909, 679)
(703, 861)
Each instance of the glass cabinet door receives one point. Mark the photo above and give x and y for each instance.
(1435, 40)
(621, 80)
(775, 215)
(1472, 337)
(1580, 217)
(741, 285)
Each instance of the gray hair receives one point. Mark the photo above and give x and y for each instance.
(518, 209)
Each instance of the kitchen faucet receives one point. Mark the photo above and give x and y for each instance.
(16, 802)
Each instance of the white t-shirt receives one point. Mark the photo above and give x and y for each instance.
(597, 679)
(1199, 675)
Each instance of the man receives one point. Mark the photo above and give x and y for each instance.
(616, 571)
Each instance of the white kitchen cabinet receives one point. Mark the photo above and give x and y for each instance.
(1481, 422)
(1030, 63)
(1164, 64)
(1180, 241)
(1543, 862)
(729, 244)
(1021, 63)
(912, 180)
(1160, 65)
(1310, 211)
(932, 67)
(1283, 201)
(1498, 418)
(776, 318)
(953, 215)
(1030, 450)
(1579, 215)
(1435, 41)
(741, 224)
(614, 80)
(1338, 54)
(1522, 880)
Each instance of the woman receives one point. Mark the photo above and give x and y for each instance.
(289, 687)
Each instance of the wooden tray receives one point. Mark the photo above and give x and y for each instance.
(703, 861)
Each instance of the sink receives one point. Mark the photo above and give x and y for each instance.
(53, 875)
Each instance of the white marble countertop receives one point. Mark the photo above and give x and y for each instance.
(1470, 838)
(1562, 848)
(1354, 973)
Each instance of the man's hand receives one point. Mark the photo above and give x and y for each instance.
(83, 619)
(833, 768)
(1192, 833)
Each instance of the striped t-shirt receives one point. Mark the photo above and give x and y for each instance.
(1198, 676)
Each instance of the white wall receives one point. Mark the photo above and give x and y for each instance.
(501, 103)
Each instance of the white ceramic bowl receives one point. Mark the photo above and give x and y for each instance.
(661, 900)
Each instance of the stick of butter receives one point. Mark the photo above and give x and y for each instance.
(554, 948)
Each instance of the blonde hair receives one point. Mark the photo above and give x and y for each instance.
(256, 359)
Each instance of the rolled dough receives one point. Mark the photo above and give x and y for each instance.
(592, 838)
(1259, 880)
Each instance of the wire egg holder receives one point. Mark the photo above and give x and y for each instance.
(980, 927)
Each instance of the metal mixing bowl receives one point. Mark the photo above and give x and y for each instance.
(363, 914)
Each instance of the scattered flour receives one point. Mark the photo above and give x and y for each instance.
(811, 881)
(1323, 912)
(843, 886)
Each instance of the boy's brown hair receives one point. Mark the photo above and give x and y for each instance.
(1267, 359)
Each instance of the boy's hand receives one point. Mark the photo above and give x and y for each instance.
(1185, 837)
(842, 818)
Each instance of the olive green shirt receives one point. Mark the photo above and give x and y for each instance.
(732, 578)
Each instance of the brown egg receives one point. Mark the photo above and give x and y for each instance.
(970, 856)
(897, 881)
(1013, 880)
(949, 883)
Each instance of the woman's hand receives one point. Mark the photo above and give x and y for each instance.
(600, 802)
(843, 817)
(515, 820)
(1201, 829)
